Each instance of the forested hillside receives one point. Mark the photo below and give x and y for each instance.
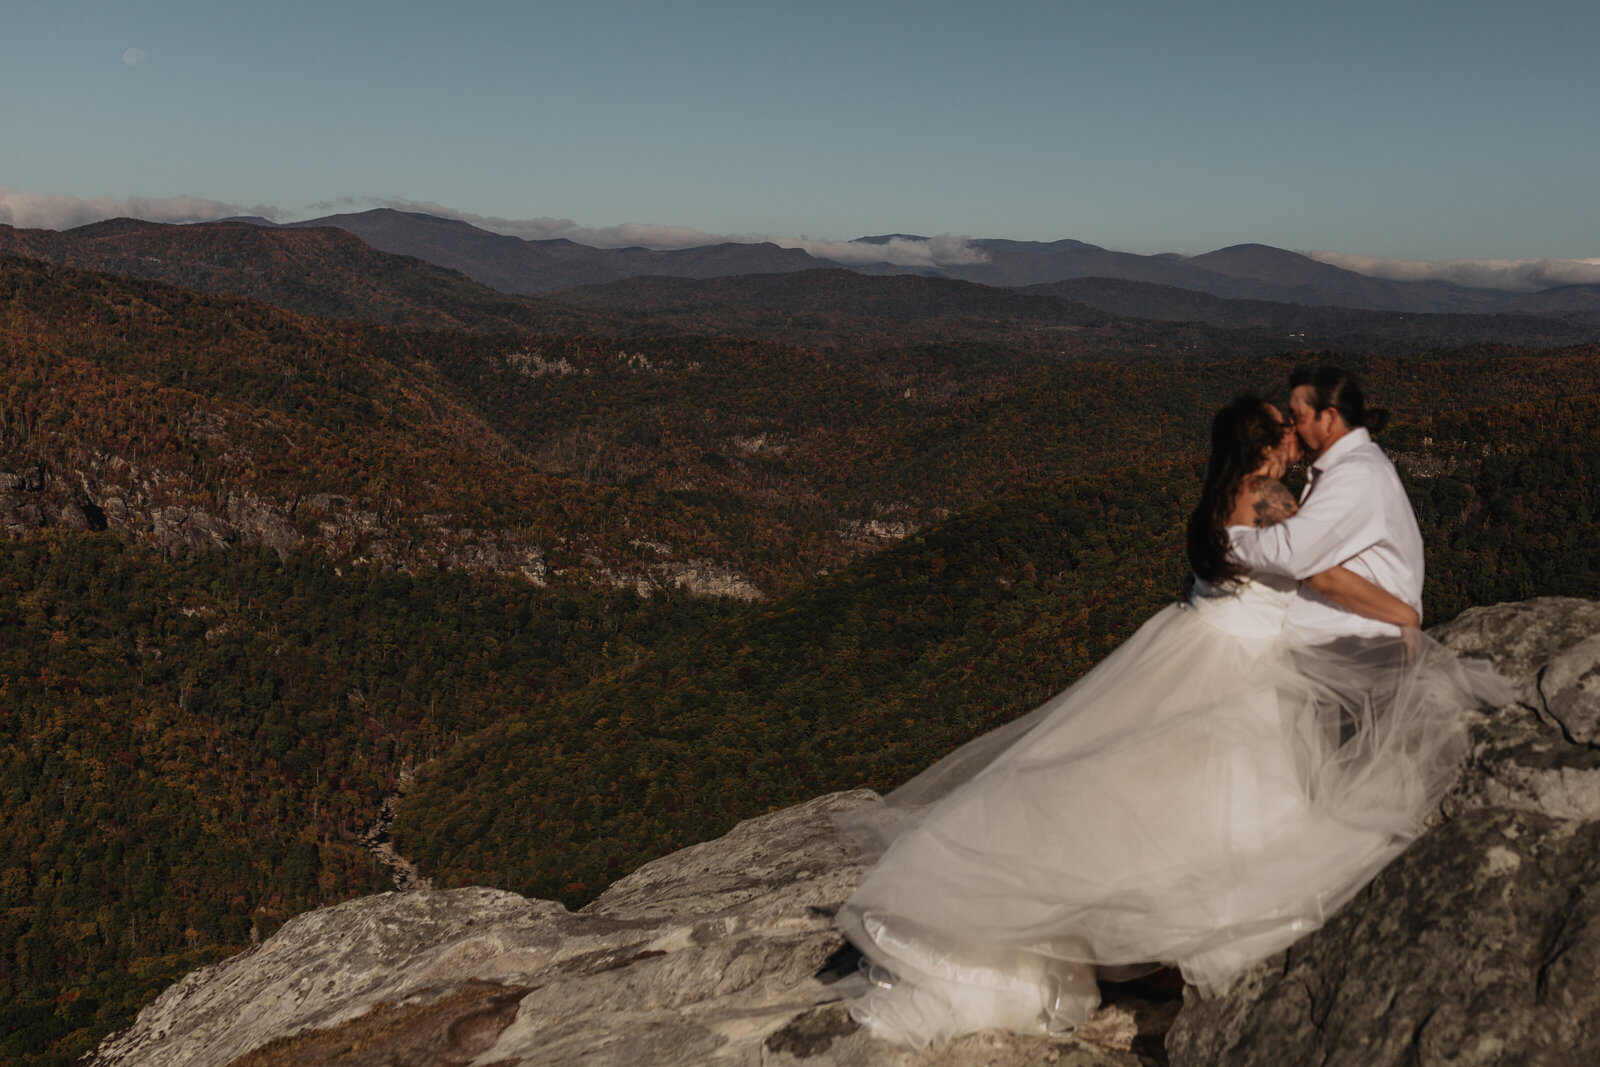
(324, 272)
(191, 750)
(260, 568)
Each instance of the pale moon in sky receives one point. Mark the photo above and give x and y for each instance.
(133, 56)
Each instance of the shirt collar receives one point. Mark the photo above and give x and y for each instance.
(1340, 449)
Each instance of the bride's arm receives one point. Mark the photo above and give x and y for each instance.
(1262, 501)
(1349, 590)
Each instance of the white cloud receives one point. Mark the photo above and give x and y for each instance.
(1517, 275)
(55, 211)
(945, 250)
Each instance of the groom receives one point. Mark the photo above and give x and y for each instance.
(1353, 512)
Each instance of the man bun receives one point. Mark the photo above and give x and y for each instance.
(1336, 388)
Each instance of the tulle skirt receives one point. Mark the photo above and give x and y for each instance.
(1201, 799)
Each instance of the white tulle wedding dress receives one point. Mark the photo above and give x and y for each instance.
(1204, 797)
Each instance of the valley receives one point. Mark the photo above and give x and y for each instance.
(287, 519)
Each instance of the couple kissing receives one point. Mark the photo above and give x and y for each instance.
(1210, 792)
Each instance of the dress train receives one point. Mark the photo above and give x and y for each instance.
(1204, 797)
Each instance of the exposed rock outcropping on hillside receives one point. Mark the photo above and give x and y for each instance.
(38, 498)
(112, 494)
(1479, 945)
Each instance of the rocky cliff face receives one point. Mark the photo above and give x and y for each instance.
(1479, 945)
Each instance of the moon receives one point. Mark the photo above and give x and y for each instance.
(133, 56)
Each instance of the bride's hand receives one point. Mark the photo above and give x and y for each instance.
(1282, 456)
(1288, 448)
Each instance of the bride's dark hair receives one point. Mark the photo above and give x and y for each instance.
(1242, 434)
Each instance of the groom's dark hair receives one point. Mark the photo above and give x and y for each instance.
(1332, 387)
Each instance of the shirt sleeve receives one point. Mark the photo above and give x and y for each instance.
(1338, 521)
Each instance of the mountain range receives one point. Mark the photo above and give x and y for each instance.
(1239, 272)
(445, 274)
(513, 265)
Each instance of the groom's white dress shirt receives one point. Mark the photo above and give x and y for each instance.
(1354, 512)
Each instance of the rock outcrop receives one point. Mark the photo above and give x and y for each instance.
(1479, 945)
(1541, 754)
(722, 952)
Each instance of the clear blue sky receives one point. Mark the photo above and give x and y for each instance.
(1409, 129)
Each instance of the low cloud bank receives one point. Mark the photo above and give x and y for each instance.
(47, 211)
(1517, 275)
(944, 250)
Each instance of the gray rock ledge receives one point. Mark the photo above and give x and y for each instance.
(719, 953)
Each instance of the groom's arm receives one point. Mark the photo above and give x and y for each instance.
(1338, 521)
(1352, 592)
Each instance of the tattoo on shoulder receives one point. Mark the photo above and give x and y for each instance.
(1275, 502)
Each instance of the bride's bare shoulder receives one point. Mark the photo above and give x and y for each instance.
(1263, 501)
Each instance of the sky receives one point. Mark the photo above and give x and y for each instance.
(1401, 132)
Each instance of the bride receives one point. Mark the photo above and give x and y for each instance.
(1204, 797)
